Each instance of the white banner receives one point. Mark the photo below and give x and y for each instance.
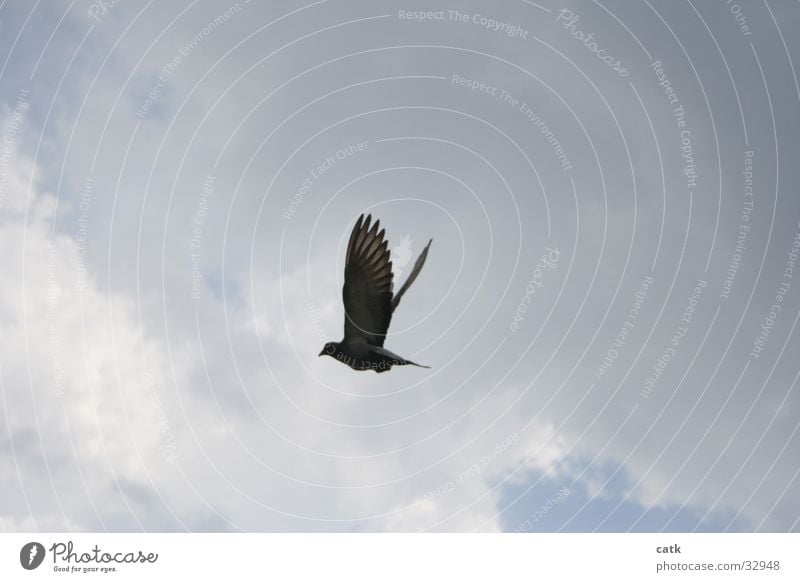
(401, 557)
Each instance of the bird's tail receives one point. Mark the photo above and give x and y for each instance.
(402, 363)
(390, 359)
(414, 273)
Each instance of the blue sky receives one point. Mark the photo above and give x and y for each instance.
(609, 307)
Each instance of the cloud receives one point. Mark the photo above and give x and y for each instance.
(104, 431)
(79, 380)
(161, 370)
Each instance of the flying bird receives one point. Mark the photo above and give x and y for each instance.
(369, 300)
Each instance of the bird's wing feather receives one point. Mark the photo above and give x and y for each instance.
(412, 277)
(368, 283)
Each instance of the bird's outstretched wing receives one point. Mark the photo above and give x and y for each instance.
(368, 283)
(412, 277)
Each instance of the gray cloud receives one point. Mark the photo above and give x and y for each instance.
(194, 162)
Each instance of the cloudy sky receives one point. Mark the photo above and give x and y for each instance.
(609, 306)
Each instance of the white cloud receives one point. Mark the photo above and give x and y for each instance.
(79, 411)
(103, 383)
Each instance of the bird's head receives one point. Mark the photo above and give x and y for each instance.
(330, 349)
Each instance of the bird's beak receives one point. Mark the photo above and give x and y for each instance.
(322, 353)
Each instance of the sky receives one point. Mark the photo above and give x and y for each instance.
(609, 307)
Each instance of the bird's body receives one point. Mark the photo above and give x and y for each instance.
(363, 356)
(369, 301)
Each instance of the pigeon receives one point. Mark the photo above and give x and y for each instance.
(369, 300)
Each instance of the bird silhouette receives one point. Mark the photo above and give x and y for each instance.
(369, 300)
